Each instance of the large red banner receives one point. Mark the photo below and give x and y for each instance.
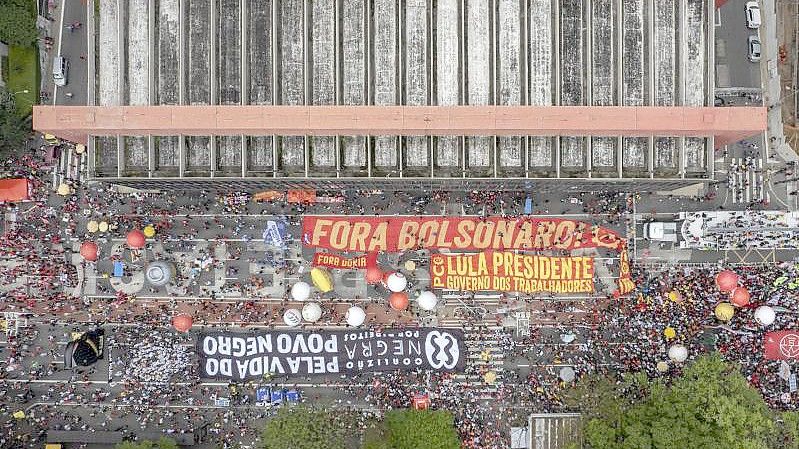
(393, 234)
(781, 345)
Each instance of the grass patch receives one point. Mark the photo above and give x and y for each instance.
(23, 74)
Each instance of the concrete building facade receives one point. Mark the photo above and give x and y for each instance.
(505, 93)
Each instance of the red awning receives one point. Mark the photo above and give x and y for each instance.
(14, 189)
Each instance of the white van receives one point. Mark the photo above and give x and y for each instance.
(752, 15)
(660, 231)
(60, 70)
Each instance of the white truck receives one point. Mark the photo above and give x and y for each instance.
(661, 231)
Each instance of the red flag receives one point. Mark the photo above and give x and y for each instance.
(781, 345)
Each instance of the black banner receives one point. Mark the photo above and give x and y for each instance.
(243, 356)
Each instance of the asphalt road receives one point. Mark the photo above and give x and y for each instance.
(733, 67)
(73, 46)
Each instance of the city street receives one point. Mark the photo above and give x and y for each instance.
(195, 285)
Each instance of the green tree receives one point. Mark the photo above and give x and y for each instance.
(14, 130)
(303, 428)
(421, 429)
(710, 407)
(376, 436)
(161, 443)
(18, 22)
(788, 431)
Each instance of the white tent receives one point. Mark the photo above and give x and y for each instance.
(427, 300)
(396, 282)
(311, 311)
(678, 353)
(765, 315)
(300, 291)
(355, 316)
(292, 317)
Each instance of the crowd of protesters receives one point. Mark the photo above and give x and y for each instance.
(152, 380)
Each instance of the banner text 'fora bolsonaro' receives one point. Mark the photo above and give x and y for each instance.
(239, 356)
(392, 234)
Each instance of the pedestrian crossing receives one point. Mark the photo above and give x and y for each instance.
(746, 181)
(71, 167)
(484, 354)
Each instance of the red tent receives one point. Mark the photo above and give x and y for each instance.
(727, 280)
(740, 297)
(89, 251)
(14, 189)
(136, 239)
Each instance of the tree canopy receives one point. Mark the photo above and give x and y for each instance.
(18, 22)
(14, 130)
(421, 429)
(711, 406)
(161, 443)
(303, 428)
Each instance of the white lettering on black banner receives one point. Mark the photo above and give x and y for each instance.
(244, 356)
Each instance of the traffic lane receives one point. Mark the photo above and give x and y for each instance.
(73, 45)
(39, 354)
(734, 33)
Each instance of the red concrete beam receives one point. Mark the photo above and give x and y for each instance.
(727, 124)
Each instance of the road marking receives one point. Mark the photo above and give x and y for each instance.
(718, 17)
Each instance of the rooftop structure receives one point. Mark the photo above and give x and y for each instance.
(541, 53)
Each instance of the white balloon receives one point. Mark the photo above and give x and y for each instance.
(427, 300)
(355, 316)
(678, 353)
(300, 291)
(396, 282)
(765, 315)
(292, 317)
(311, 311)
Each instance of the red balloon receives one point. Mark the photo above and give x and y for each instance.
(89, 251)
(374, 275)
(740, 297)
(136, 239)
(182, 322)
(727, 280)
(398, 300)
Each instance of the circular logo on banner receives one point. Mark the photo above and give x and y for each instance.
(789, 346)
(442, 350)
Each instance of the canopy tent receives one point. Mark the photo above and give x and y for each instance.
(14, 189)
(398, 300)
(182, 322)
(427, 300)
(355, 316)
(88, 250)
(311, 311)
(300, 291)
(396, 282)
(64, 189)
(292, 317)
(149, 231)
(136, 239)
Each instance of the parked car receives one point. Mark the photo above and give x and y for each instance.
(752, 15)
(60, 70)
(754, 48)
